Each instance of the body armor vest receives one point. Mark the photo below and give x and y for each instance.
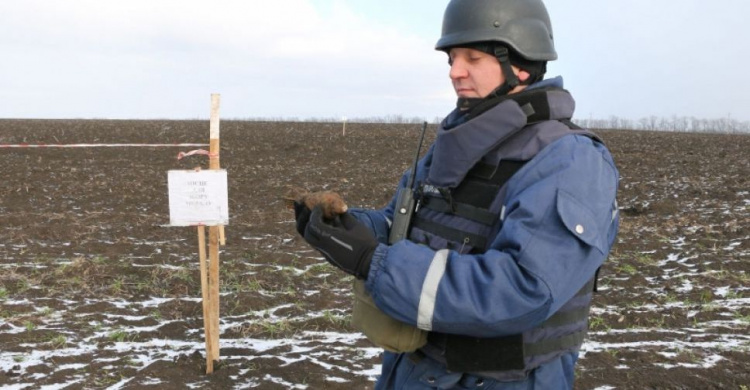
(466, 217)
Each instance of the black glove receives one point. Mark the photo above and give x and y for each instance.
(344, 242)
(302, 215)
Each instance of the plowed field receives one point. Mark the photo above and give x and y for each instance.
(97, 292)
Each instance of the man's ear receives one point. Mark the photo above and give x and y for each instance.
(523, 75)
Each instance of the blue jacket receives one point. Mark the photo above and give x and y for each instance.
(558, 223)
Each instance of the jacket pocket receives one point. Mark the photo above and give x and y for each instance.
(580, 220)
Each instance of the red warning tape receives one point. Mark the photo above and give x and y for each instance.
(93, 145)
(203, 152)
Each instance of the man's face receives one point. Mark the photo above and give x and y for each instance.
(474, 73)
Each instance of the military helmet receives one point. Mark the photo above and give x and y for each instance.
(522, 25)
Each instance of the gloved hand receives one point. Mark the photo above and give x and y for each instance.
(302, 216)
(303, 202)
(344, 242)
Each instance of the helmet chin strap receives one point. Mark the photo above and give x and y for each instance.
(511, 81)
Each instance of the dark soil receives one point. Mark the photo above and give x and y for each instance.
(97, 292)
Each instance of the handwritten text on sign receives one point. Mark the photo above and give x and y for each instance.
(198, 198)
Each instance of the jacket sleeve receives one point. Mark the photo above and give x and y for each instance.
(558, 225)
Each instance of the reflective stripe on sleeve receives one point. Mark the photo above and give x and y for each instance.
(429, 289)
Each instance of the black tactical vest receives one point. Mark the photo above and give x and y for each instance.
(464, 219)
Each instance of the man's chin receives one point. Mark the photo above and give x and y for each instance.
(472, 96)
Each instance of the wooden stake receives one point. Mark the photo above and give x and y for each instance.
(206, 299)
(213, 282)
(210, 271)
(213, 234)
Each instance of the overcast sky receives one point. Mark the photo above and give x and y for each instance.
(351, 58)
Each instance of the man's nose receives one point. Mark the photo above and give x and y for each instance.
(458, 69)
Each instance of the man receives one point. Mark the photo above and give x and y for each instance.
(516, 213)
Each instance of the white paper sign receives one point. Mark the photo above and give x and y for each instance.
(198, 198)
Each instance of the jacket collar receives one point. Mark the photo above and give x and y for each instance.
(460, 145)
